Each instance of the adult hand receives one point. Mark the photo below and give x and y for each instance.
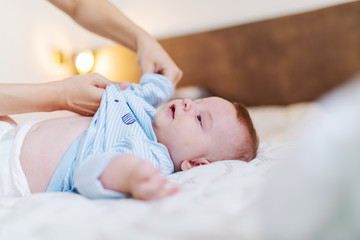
(152, 58)
(105, 19)
(82, 93)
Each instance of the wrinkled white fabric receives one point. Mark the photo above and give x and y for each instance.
(216, 201)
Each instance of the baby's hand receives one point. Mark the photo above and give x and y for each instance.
(147, 184)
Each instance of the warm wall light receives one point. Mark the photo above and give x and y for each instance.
(84, 61)
(117, 63)
(57, 57)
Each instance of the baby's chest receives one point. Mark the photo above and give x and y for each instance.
(126, 123)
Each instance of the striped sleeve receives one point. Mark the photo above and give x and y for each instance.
(136, 146)
(87, 173)
(154, 89)
(86, 177)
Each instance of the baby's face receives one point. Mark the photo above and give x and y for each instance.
(197, 132)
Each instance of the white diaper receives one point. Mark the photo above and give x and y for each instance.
(13, 182)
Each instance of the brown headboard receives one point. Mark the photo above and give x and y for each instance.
(277, 61)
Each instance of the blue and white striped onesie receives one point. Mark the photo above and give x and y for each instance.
(122, 125)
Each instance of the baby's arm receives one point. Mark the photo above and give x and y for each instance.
(132, 175)
(155, 89)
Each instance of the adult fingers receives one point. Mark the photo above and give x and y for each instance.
(173, 74)
(99, 80)
(146, 67)
(123, 85)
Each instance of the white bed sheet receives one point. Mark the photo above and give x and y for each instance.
(216, 201)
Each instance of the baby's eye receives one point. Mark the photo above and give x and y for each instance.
(198, 118)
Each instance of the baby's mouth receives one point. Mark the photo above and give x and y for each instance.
(172, 111)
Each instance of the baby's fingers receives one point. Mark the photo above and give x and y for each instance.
(155, 188)
(163, 190)
(166, 190)
(170, 191)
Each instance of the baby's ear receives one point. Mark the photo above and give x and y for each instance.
(188, 164)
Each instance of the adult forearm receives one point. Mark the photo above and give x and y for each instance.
(24, 98)
(103, 18)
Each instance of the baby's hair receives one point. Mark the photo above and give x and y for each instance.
(248, 150)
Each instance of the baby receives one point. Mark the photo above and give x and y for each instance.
(128, 146)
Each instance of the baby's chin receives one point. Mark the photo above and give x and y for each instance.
(159, 117)
(177, 167)
(174, 160)
(155, 123)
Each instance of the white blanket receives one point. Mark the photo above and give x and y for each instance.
(216, 201)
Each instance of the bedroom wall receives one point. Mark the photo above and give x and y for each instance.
(276, 61)
(33, 29)
(189, 16)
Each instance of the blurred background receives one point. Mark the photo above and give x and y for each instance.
(35, 32)
(40, 43)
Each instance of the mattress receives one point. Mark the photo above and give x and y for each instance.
(215, 201)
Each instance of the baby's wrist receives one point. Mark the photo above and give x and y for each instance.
(119, 174)
(134, 174)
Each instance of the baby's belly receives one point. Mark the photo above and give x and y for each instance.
(45, 145)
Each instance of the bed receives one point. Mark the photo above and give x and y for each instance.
(278, 74)
(207, 207)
